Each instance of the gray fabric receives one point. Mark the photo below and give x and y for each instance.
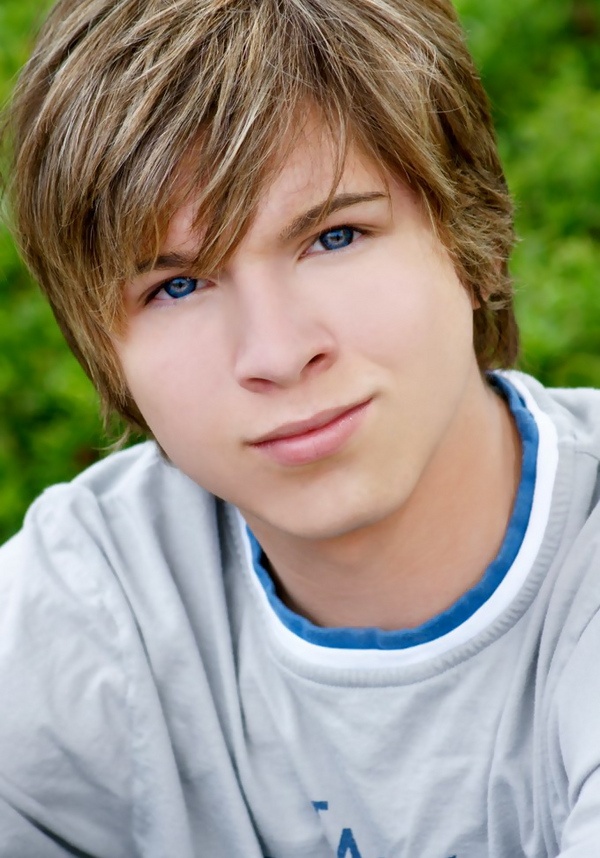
(145, 710)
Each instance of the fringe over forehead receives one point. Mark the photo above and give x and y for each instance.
(120, 95)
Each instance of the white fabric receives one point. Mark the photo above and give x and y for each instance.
(149, 709)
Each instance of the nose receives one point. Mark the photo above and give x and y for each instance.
(281, 339)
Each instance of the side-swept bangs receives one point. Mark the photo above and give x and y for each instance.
(121, 95)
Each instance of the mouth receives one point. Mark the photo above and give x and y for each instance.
(305, 441)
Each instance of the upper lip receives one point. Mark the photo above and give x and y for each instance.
(300, 427)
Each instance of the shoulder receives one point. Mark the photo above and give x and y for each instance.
(110, 549)
(568, 466)
(130, 499)
(567, 566)
(93, 619)
(65, 642)
(575, 412)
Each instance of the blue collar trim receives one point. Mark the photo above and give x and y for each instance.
(470, 602)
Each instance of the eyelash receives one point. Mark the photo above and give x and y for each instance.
(195, 280)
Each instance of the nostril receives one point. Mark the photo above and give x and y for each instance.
(318, 363)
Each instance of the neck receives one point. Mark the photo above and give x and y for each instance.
(403, 570)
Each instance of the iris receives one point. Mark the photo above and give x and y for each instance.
(179, 287)
(338, 238)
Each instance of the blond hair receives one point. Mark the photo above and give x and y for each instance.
(119, 93)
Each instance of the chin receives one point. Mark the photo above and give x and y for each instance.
(333, 521)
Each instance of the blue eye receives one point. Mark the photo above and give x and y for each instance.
(179, 287)
(338, 238)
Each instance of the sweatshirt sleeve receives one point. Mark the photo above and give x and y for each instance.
(66, 765)
(578, 726)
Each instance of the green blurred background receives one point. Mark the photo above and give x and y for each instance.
(540, 60)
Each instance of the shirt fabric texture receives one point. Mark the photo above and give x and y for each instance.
(156, 699)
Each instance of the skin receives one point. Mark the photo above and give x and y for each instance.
(405, 516)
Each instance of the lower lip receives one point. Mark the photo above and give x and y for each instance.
(309, 447)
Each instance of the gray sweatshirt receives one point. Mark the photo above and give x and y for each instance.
(157, 700)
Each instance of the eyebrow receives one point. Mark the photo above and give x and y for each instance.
(164, 262)
(297, 227)
(301, 224)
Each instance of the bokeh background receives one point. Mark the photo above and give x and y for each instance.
(540, 61)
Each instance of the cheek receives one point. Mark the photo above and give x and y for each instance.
(174, 375)
(410, 314)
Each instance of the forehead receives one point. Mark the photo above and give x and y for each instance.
(311, 175)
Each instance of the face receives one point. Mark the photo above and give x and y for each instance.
(313, 379)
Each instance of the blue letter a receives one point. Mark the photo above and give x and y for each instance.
(348, 845)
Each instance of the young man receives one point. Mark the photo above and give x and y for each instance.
(345, 601)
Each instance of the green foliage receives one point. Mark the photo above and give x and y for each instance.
(540, 61)
(49, 426)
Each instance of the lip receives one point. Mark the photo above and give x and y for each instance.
(304, 441)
